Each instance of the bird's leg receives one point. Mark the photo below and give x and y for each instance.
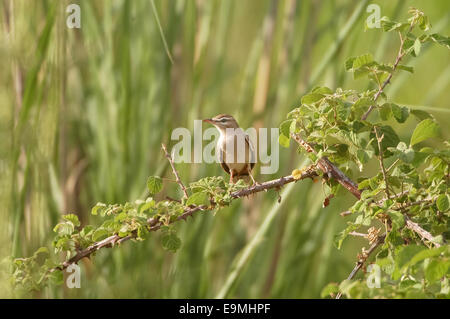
(231, 176)
(251, 176)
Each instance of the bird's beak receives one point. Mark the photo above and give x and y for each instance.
(208, 121)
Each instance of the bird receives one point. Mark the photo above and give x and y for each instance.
(231, 134)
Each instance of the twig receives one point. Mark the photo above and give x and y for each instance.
(380, 159)
(381, 201)
(400, 55)
(155, 224)
(332, 171)
(420, 231)
(356, 234)
(177, 177)
(329, 168)
(362, 259)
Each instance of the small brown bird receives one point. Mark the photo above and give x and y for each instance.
(231, 135)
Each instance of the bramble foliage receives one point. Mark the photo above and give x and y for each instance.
(133, 220)
(415, 185)
(351, 128)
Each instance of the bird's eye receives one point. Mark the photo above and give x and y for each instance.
(223, 120)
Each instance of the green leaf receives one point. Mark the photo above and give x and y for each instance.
(443, 203)
(407, 68)
(322, 90)
(385, 111)
(420, 114)
(339, 238)
(199, 198)
(98, 208)
(312, 98)
(99, 234)
(397, 218)
(404, 255)
(400, 113)
(284, 141)
(417, 46)
(64, 229)
(329, 290)
(72, 218)
(440, 39)
(124, 230)
(424, 254)
(405, 153)
(154, 184)
(285, 128)
(349, 63)
(390, 139)
(56, 277)
(436, 269)
(388, 25)
(41, 250)
(362, 156)
(428, 128)
(170, 241)
(362, 60)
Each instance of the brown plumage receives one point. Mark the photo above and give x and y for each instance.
(237, 169)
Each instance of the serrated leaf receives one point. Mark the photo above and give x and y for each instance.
(397, 218)
(72, 218)
(41, 250)
(407, 68)
(322, 90)
(424, 254)
(390, 139)
(426, 129)
(99, 234)
(56, 277)
(329, 290)
(417, 46)
(98, 208)
(284, 141)
(421, 115)
(285, 128)
(404, 256)
(443, 202)
(440, 39)
(400, 113)
(312, 98)
(65, 228)
(339, 238)
(154, 184)
(385, 111)
(170, 241)
(362, 60)
(436, 269)
(199, 198)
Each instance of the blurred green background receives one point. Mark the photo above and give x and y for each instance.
(84, 112)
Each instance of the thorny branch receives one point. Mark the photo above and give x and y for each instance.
(331, 170)
(399, 57)
(380, 159)
(362, 259)
(155, 224)
(177, 177)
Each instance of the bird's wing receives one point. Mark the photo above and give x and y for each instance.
(251, 151)
(222, 162)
